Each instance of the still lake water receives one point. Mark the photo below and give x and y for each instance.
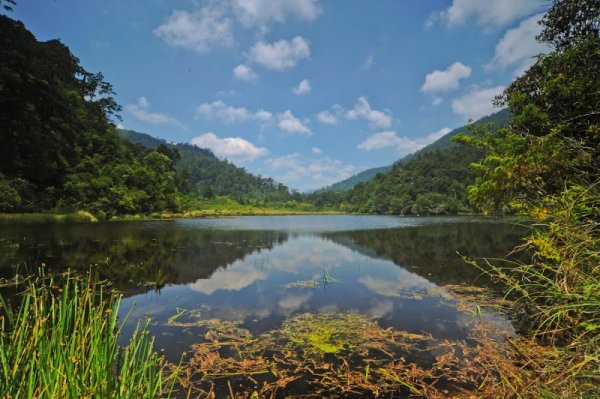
(244, 268)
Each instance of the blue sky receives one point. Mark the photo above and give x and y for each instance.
(308, 92)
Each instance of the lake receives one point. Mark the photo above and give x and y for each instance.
(257, 274)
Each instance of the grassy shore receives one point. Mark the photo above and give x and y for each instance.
(62, 342)
(76, 217)
(213, 208)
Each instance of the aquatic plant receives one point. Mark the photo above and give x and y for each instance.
(346, 354)
(61, 341)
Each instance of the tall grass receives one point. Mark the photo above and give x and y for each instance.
(558, 293)
(62, 342)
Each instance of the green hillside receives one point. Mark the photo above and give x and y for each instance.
(352, 181)
(433, 180)
(201, 173)
(494, 121)
(497, 119)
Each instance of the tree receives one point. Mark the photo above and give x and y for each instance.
(553, 139)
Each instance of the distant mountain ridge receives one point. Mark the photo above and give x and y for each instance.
(496, 120)
(352, 181)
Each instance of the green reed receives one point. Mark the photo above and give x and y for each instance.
(62, 342)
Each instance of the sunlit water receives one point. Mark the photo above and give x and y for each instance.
(389, 268)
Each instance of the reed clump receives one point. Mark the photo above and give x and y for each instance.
(61, 341)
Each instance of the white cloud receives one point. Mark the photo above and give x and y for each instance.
(141, 110)
(199, 30)
(477, 103)
(363, 110)
(309, 173)
(403, 145)
(291, 124)
(245, 73)
(518, 46)
(261, 12)
(327, 118)
(446, 80)
(369, 62)
(437, 101)
(316, 150)
(230, 114)
(486, 13)
(302, 88)
(232, 148)
(331, 118)
(281, 54)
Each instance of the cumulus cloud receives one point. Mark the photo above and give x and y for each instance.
(232, 148)
(280, 55)
(477, 103)
(316, 150)
(331, 118)
(401, 144)
(245, 73)
(230, 114)
(518, 46)
(199, 30)
(141, 110)
(291, 124)
(307, 172)
(447, 79)
(302, 88)
(362, 110)
(486, 13)
(261, 12)
(327, 118)
(212, 25)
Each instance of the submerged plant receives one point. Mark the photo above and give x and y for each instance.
(346, 354)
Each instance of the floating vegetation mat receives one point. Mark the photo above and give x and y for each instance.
(345, 355)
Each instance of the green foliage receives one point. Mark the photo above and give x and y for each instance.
(545, 164)
(429, 183)
(59, 149)
(9, 197)
(63, 343)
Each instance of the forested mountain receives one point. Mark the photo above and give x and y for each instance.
(497, 119)
(352, 181)
(433, 180)
(201, 173)
(493, 121)
(59, 149)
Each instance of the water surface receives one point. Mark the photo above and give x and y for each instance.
(247, 269)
